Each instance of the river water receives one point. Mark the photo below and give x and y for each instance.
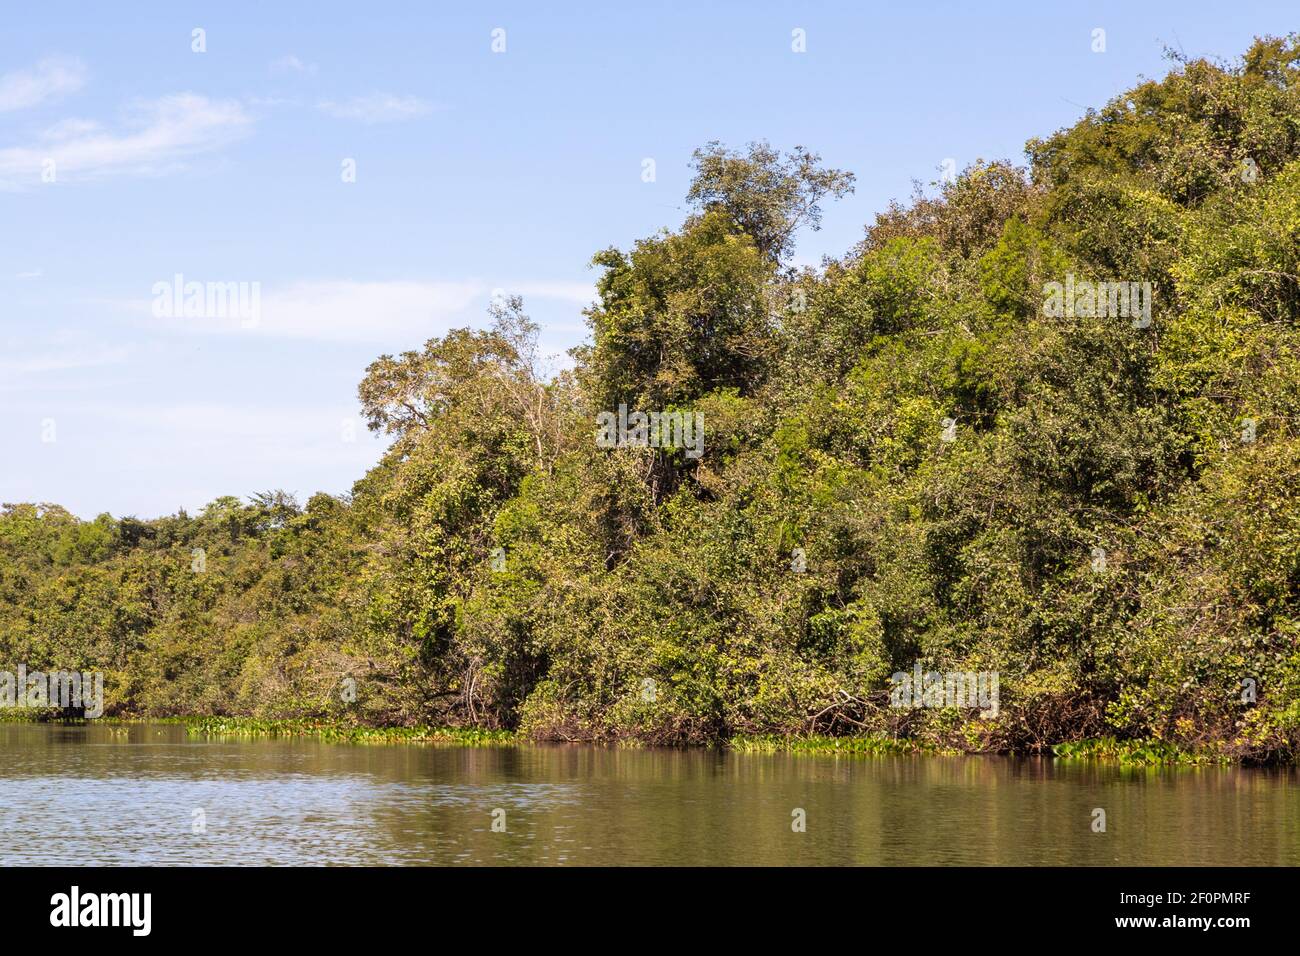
(148, 794)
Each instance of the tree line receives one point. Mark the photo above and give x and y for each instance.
(907, 460)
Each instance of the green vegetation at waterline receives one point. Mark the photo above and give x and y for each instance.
(1141, 752)
(820, 745)
(336, 732)
(918, 453)
(25, 715)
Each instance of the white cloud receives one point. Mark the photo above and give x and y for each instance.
(377, 108)
(290, 63)
(48, 80)
(273, 102)
(366, 311)
(582, 293)
(62, 359)
(254, 446)
(396, 314)
(206, 421)
(156, 136)
(342, 310)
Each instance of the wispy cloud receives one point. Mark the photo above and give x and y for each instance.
(47, 80)
(365, 311)
(290, 63)
(377, 108)
(200, 436)
(206, 421)
(61, 356)
(156, 136)
(342, 310)
(273, 102)
(581, 293)
(391, 313)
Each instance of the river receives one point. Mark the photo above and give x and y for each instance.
(148, 794)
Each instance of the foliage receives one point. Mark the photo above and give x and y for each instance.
(907, 459)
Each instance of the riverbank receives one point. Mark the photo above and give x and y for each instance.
(347, 733)
(1108, 749)
(1102, 749)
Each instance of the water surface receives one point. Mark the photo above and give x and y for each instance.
(148, 794)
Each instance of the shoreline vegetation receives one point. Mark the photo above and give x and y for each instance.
(1109, 750)
(1036, 435)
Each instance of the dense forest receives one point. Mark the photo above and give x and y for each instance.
(911, 455)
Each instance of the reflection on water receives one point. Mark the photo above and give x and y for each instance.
(136, 794)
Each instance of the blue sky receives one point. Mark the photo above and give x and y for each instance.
(475, 171)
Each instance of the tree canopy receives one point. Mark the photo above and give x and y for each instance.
(908, 460)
